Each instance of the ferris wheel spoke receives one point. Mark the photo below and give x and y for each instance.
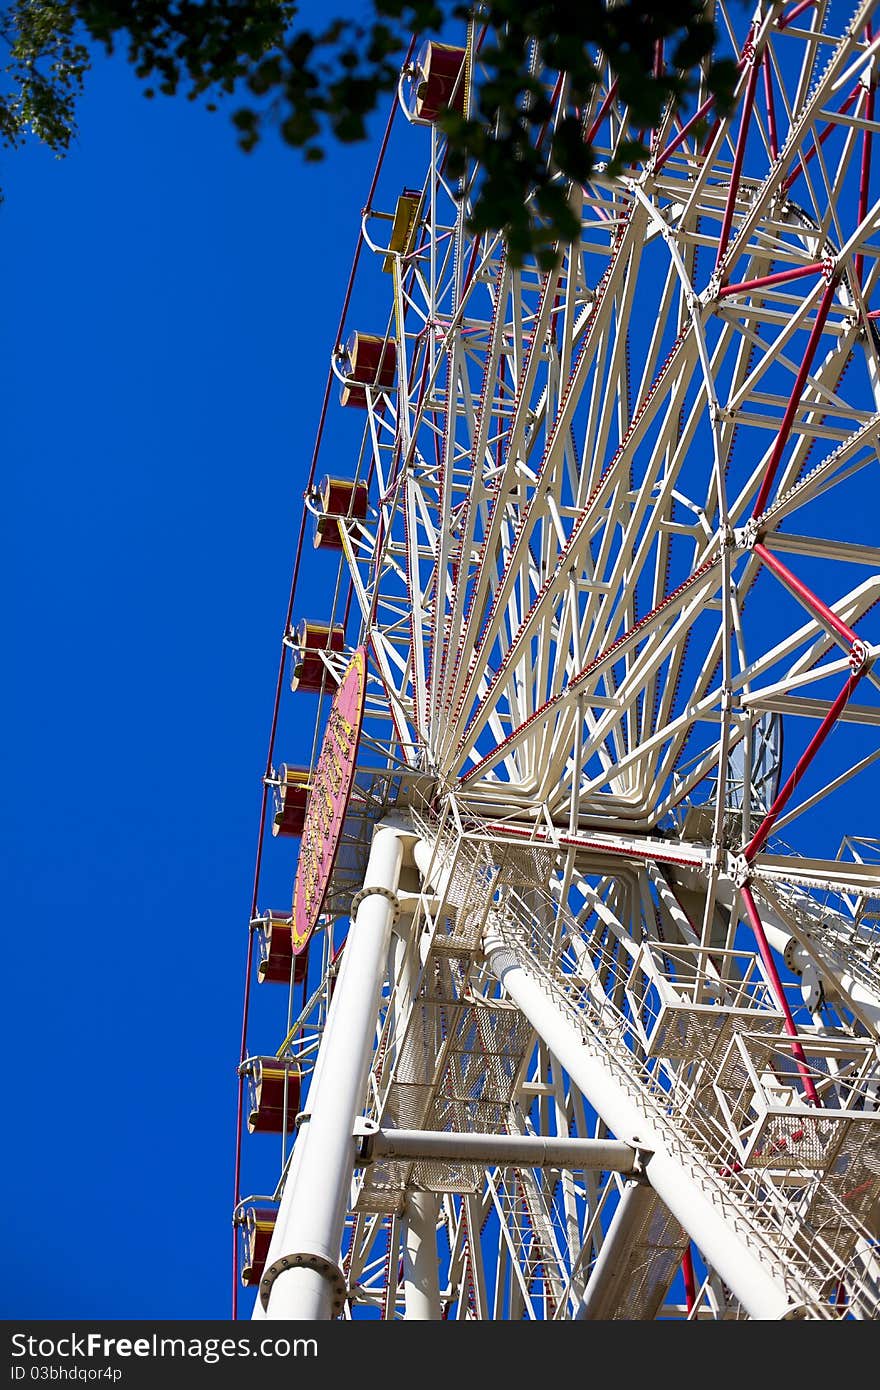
(567, 557)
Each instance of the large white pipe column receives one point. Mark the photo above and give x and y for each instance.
(739, 1264)
(611, 1268)
(421, 1273)
(276, 1246)
(421, 1269)
(302, 1279)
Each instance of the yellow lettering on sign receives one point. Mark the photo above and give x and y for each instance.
(342, 731)
(328, 797)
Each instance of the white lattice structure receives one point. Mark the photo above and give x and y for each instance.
(599, 1043)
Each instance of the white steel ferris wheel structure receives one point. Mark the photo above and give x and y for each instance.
(587, 1027)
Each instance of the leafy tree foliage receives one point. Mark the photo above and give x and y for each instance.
(43, 75)
(319, 85)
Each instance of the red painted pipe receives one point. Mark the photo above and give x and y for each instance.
(690, 1286)
(811, 152)
(780, 277)
(770, 966)
(739, 156)
(810, 599)
(760, 836)
(794, 399)
(603, 111)
(710, 136)
(786, 19)
(864, 173)
(682, 135)
(771, 109)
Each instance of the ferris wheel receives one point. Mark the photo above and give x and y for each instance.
(582, 947)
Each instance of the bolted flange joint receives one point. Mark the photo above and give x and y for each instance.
(386, 893)
(746, 537)
(739, 870)
(713, 287)
(326, 1268)
(859, 657)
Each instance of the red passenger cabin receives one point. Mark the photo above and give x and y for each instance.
(340, 502)
(276, 950)
(259, 1223)
(368, 361)
(291, 798)
(310, 672)
(437, 84)
(272, 1082)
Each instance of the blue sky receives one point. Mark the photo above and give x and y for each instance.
(169, 308)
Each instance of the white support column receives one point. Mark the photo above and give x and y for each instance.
(293, 1165)
(420, 1266)
(611, 1263)
(302, 1279)
(739, 1264)
(421, 1274)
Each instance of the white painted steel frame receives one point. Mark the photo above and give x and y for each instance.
(618, 519)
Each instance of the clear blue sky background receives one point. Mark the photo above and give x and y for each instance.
(168, 311)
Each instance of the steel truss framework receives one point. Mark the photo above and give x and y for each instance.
(618, 541)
